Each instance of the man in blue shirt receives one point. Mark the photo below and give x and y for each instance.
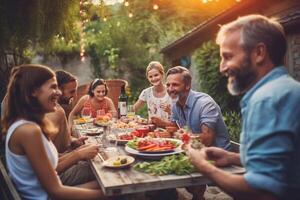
(252, 49)
(196, 110)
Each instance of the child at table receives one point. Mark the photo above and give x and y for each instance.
(156, 96)
(95, 100)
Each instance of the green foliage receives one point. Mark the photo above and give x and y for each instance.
(26, 23)
(207, 61)
(234, 124)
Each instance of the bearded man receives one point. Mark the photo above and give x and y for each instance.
(252, 50)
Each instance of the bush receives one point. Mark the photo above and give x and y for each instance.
(233, 121)
(207, 60)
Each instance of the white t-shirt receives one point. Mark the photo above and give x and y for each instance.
(154, 103)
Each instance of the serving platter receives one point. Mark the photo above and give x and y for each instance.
(156, 155)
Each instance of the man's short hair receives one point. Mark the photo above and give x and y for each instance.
(258, 29)
(187, 78)
(64, 77)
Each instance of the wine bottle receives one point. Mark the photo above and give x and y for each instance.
(122, 103)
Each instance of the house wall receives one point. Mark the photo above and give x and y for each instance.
(293, 57)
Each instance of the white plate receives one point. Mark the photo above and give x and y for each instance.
(156, 155)
(110, 161)
(119, 141)
(92, 131)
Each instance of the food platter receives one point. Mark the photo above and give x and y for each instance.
(112, 138)
(157, 154)
(92, 131)
(115, 164)
(103, 124)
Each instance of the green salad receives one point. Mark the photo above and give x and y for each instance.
(175, 164)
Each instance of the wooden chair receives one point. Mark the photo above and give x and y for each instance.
(114, 90)
(7, 188)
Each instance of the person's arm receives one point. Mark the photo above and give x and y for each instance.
(29, 139)
(77, 109)
(162, 123)
(84, 152)
(207, 135)
(233, 184)
(111, 107)
(138, 105)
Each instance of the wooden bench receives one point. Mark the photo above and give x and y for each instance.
(7, 188)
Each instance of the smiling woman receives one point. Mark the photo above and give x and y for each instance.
(30, 154)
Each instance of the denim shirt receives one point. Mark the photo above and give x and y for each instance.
(200, 109)
(270, 146)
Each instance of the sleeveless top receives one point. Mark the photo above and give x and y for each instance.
(104, 105)
(20, 169)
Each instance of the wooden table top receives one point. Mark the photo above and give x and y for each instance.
(128, 180)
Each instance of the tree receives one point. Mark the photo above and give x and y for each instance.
(25, 25)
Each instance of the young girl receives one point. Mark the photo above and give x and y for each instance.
(31, 156)
(156, 96)
(94, 101)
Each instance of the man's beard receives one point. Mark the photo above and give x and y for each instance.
(178, 96)
(243, 78)
(64, 100)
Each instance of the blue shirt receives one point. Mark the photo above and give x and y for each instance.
(200, 109)
(270, 146)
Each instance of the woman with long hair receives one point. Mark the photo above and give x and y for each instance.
(30, 155)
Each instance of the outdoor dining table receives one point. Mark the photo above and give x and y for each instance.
(129, 181)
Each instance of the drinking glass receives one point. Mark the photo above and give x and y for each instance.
(130, 111)
(109, 142)
(100, 112)
(86, 113)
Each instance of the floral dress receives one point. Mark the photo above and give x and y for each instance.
(154, 103)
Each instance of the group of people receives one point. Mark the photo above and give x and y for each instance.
(252, 50)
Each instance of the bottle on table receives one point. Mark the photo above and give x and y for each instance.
(122, 103)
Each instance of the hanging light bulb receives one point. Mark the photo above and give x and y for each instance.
(155, 7)
(105, 19)
(130, 14)
(126, 3)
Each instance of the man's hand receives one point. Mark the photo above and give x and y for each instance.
(218, 155)
(87, 151)
(199, 158)
(157, 121)
(77, 142)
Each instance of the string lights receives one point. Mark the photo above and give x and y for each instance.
(84, 20)
(155, 7)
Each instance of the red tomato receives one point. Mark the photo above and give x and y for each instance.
(185, 137)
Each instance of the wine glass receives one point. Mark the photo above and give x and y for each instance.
(86, 113)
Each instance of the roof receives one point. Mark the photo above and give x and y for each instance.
(208, 29)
